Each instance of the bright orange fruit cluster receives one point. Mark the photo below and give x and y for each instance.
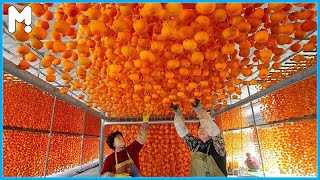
(290, 148)
(90, 149)
(130, 58)
(64, 153)
(22, 104)
(237, 145)
(24, 153)
(90, 143)
(234, 119)
(92, 125)
(297, 100)
(67, 118)
(305, 61)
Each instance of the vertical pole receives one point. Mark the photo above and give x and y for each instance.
(232, 148)
(222, 129)
(257, 134)
(82, 139)
(101, 146)
(240, 116)
(49, 137)
(232, 144)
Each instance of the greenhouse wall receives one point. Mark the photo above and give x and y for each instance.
(287, 130)
(28, 112)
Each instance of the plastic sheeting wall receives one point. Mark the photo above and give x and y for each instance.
(27, 115)
(289, 148)
(297, 100)
(292, 145)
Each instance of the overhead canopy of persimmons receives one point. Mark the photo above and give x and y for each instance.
(131, 58)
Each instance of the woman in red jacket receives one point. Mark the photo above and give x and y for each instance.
(125, 159)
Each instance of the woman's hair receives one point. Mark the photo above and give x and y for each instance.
(110, 139)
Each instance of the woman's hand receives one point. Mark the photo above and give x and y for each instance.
(146, 117)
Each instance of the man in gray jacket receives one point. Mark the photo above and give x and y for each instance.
(208, 149)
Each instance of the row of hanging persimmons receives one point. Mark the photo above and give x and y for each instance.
(131, 58)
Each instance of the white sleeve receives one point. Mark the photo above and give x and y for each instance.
(207, 122)
(181, 128)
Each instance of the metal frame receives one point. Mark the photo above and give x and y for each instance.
(82, 139)
(150, 122)
(152, 118)
(101, 146)
(44, 131)
(240, 109)
(232, 149)
(257, 134)
(276, 122)
(49, 137)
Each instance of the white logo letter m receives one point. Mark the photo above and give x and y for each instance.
(14, 16)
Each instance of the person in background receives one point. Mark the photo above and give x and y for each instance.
(125, 160)
(208, 149)
(252, 163)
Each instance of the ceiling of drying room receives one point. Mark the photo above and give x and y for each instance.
(10, 45)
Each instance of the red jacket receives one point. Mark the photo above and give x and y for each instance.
(133, 149)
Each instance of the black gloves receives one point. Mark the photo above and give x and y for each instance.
(175, 109)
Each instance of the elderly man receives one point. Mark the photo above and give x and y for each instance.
(208, 149)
